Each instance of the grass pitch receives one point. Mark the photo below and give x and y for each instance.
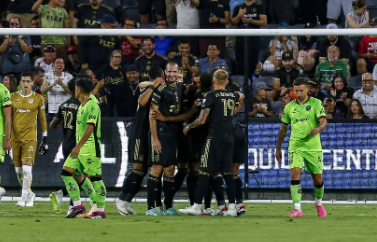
(262, 222)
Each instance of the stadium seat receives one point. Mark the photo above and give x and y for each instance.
(371, 4)
(173, 26)
(129, 4)
(297, 26)
(276, 106)
(240, 80)
(372, 12)
(355, 82)
(148, 26)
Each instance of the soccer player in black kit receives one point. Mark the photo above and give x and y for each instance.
(138, 146)
(219, 107)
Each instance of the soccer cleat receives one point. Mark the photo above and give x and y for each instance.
(69, 209)
(171, 212)
(296, 214)
(88, 214)
(2, 193)
(56, 200)
(154, 212)
(240, 209)
(97, 215)
(220, 210)
(76, 210)
(321, 211)
(22, 201)
(30, 199)
(230, 212)
(124, 208)
(207, 212)
(191, 211)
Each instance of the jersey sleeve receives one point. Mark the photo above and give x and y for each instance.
(42, 115)
(93, 113)
(285, 117)
(208, 101)
(5, 97)
(320, 110)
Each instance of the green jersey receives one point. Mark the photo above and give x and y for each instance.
(52, 18)
(303, 118)
(89, 114)
(4, 102)
(327, 73)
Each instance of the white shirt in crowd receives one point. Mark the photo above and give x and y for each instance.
(279, 48)
(57, 95)
(45, 66)
(187, 15)
(375, 72)
(368, 102)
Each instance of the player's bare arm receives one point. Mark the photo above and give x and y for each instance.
(282, 132)
(241, 101)
(144, 98)
(199, 121)
(179, 118)
(153, 125)
(89, 130)
(322, 126)
(54, 123)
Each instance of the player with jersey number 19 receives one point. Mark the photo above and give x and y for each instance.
(26, 106)
(307, 118)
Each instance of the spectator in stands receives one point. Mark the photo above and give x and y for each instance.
(10, 82)
(187, 14)
(212, 60)
(342, 94)
(35, 40)
(56, 86)
(338, 41)
(368, 51)
(130, 45)
(145, 8)
(277, 10)
(52, 15)
(375, 74)
(94, 50)
(171, 13)
(73, 64)
(355, 110)
(98, 90)
(335, 7)
(249, 15)
(88, 14)
(49, 55)
(163, 43)
(308, 50)
(213, 15)
(113, 77)
(284, 101)
(329, 105)
(149, 58)
(15, 51)
(21, 9)
(328, 69)
(260, 105)
(130, 91)
(367, 96)
(284, 75)
(188, 62)
(314, 90)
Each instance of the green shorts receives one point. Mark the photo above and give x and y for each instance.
(85, 163)
(313, 161)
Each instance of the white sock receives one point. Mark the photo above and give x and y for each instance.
(76, 203)
(20, 174)
(101, 209)
(28, 178)
(298, 206)
(318, 202)
(231, 206)
(196, 206)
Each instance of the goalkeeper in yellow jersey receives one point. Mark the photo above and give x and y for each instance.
(26, 106)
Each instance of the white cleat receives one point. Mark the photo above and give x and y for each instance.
(22, 201)
(230, 212)
(2, 193)
(191, 211)
(208, 212)
(30, 199)
(220, 210)
(124, 208)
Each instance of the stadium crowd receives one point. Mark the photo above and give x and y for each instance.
(337, 66)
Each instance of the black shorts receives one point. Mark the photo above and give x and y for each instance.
(145, 7)
(169, 151)
(240, 154)
(138, 151)
(184, 154)
(197, 145)
(217, 156)
(190, 148)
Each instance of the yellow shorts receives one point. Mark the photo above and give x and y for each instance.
(23, 151)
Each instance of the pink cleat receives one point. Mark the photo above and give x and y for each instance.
(321, 211)
(296, 214)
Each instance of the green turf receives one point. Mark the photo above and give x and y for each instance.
(262, 222)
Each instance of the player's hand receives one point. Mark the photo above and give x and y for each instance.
(186, 129)
(185, 61)
(343, 95)
(59, 81)
(242, 12)
(43, 148)
(213, 19)
(7, 145)
(75, 152)
(158, 81)
(314, 131)
(157, 146)
(101, 83)
(158, 116)
(278, 155)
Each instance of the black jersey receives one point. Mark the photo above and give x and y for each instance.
(253, 11)
(67, 114)
(88, 17)
(202, 131)
(169, 100)
(287, 78)
(140, 125)
(193, 61)
(222, 104)
(144, 64)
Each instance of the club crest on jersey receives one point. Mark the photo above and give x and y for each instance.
(89, 161)
(31, 149)
(308, 108)
(31, 100)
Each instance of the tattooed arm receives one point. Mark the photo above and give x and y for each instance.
(281, 135)
(199, 121)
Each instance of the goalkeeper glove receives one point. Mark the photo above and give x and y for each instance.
(43, 148)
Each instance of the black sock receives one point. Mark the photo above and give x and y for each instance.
(64, 190)
(158, 194)
(230, 188)
(131, 185)
(169, 191)
(152, 188)
(208, 195)
(202, 187)
(192, 182)
(218, 189)
(70, 202)
(238, 184)
(180, 178)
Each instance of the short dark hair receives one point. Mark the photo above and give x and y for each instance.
(339, 75)
(36, 70)
(172, 63)
(84, 82)
(300, 81)
(72, 85)
(197, 73)
(205, 82)
(155, 72)
(84, 71)
(53, 62)
(34, 18)
(183, 41)
(217, 46)
(147, 38)
(26, 74)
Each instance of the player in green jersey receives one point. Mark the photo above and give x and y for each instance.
(5, 126)
(307, 118)
(85, 157)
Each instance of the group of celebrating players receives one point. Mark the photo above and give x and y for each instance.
(208, 152)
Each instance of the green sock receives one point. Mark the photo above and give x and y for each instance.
(296, 193)
(88, 188)
(100, 189)
(72, 187)
(318, 192)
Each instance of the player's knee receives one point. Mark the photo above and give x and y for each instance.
(156, 171)
(139, 167)
(169, 171)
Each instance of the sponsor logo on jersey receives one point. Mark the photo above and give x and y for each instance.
(308, 108)
(22, 111)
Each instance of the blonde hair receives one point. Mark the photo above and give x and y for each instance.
(221, 77)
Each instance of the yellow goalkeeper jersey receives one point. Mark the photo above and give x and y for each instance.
(25, 110)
